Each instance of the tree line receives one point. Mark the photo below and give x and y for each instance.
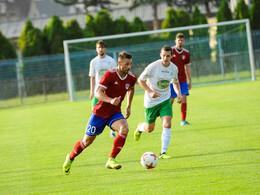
(36, 42)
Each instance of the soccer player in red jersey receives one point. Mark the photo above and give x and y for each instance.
(181, 58)
(113, 87)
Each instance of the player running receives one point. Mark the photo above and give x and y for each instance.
(155, 80)
(113, 87)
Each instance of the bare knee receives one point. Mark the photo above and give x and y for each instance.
(167, 125)
(149, 128)
(167, 121)
(124, 130)
(87, 140)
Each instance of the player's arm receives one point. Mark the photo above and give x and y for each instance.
(143, 84)
(100, 94)
(188, 74)
(177, 91)
(92, 87)
(130, 95)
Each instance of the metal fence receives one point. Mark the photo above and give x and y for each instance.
(43, 78)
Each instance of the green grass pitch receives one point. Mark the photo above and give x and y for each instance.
(218, 154)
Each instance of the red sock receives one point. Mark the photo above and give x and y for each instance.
(183, 111)
(78, 148)
(119, 142)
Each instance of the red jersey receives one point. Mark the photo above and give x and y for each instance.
(181, 58)
(115, 87)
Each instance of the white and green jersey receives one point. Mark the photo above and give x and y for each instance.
(158, 78)
(98, 67)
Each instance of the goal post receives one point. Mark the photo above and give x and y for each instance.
(219, 52)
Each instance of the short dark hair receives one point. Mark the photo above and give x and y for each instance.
(123, 55)
(167, 48)
(180, 36)
(101, 43)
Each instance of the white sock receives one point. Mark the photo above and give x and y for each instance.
(141, 127)
(166, 137)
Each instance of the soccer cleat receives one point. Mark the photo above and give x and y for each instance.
(164, 156)
(112, 134)
(67, 165)
(184, 123)
(137, 133)
(112, 164)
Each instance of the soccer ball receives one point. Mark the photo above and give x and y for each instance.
(149, 160)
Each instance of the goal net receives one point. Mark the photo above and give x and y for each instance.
(220, 52)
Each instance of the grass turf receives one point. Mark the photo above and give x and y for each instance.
(217, 154)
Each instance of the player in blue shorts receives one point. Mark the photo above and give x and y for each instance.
(181, 58)
(113, 87)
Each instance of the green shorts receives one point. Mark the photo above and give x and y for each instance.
(162, 109)
(94, 101)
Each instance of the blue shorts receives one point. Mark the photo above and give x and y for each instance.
(97, 124)
(184, 89)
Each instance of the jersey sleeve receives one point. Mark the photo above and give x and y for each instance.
(91, 69)
(188, 59)
(105, 80)
(147, 72)
(175, 76)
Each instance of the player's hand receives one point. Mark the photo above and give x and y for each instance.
(179, 99)
(154, 94)
(189, 85)
(91, 96)
(115, 101)
(128, 112)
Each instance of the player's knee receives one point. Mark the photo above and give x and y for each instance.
(124, 130)
(167, 125)
(150, 129)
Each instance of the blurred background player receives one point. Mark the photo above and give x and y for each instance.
(113, 87)
(181, 58)
(155, 80)
(98, 66)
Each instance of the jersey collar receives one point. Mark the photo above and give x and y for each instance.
(120, 76)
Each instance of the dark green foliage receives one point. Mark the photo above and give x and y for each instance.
(22, 41)
(255, 14)
(73, 30)
(122, 25)
(104, 23)
(7, 68)
(183, 18)
(90, 26)
(198, 18)
(54, 34)
(137, 25)
(34, 43)
(224, 14)
(7, 50)
(241, 11)
(171, 19)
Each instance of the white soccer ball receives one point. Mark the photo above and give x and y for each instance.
(149, 160)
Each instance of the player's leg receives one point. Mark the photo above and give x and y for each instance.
(78, 148)
(185, 92)
(119, 124)
(95, 127)
(166, 116)
(150, 116)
